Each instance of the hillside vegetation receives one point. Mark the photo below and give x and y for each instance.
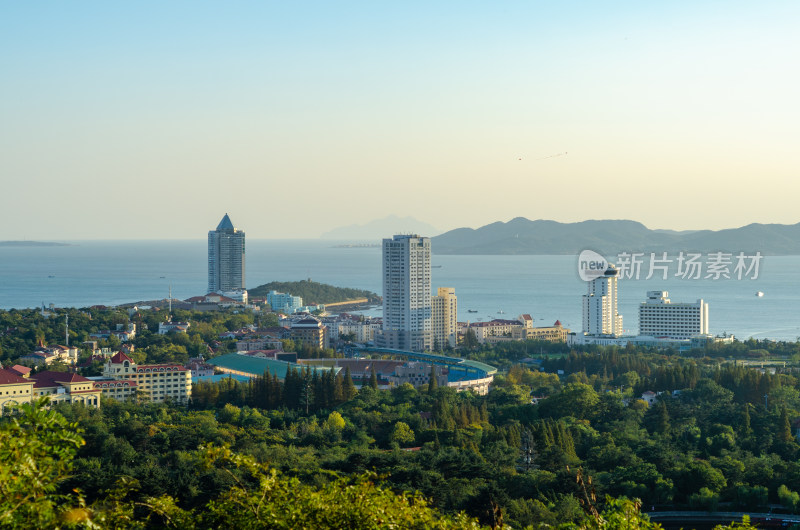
(314, 292)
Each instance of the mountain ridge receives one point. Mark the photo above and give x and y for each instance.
(609, 236)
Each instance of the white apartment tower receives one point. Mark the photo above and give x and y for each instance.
(444, 317)
(658, 317)
(406, 294)
(600, 314)
(225, 258)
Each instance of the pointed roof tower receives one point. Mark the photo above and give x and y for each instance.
(225, 224)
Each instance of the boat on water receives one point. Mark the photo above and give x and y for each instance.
(501, 312)
(760, 294)
(472, 310)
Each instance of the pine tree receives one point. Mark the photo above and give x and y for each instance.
(746, 429)
(433, 384)
(348, 388)
(373, 378)
(663, 419)
(338, 389)
(785, 433)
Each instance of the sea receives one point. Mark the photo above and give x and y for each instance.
(86, 273)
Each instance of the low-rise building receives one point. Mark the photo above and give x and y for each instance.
(60, 387)
(178, 327)
(14, 390)
(47, 355)
(310, 332)
(283, 302)
(65, 387)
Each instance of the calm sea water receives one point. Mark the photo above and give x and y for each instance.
(114, 272)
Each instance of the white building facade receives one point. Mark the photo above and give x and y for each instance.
(226, 259)
(659, 317)
(600, 306)
(406, 294)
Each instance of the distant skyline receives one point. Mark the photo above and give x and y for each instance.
(132, 121)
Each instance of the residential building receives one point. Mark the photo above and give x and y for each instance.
(226, 258)
(361, 330)
(150, 382)
(14, 390)
(283, 302)
(406, 294)
(659, 317)
(178, 327)
(600, 306)
(47, 355)
(310, 332)
(444, 317)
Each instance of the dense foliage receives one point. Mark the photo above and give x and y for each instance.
(720, 435)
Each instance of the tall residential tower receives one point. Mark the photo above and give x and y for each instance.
(406, 294)
(225, 258)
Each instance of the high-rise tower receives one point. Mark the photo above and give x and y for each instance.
(225, 258)
(600, 313)
(406, 294)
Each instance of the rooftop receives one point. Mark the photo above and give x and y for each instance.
(225, 224)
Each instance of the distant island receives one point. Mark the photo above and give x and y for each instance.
(32, 244)
(315, 292)
(377, 229)
(609, 237)
(358, 245)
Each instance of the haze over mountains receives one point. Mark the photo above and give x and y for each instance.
(377, 229)
(610, 237)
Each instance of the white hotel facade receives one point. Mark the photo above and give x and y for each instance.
(661, 318)
(601, 316)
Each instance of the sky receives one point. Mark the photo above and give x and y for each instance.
(138, 120)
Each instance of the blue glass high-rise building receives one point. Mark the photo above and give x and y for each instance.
(225, 258)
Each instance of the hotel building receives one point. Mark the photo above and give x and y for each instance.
(659, 317)
(600, 314)
(122, 379)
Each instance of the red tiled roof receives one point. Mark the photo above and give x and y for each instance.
(117, 383)
(558, 323)
(526, 316)
(19, 369)
(120, 357)
(7, 377)
(49, 378)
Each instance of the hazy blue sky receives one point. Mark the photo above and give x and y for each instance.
(153, 119)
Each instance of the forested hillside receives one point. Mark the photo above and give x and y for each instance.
(314, 292)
